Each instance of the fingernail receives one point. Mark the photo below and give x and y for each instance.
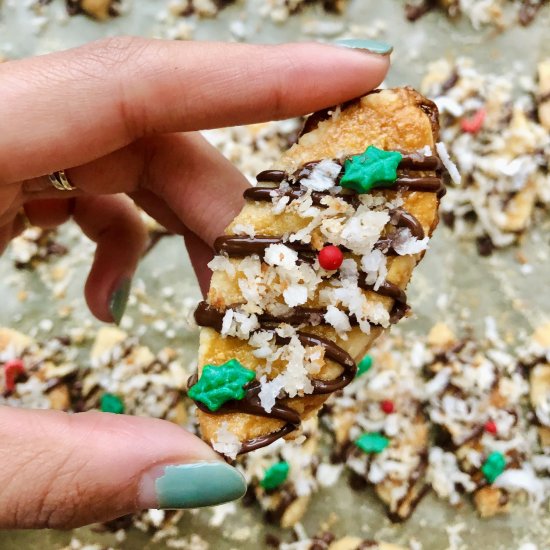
(119, 299)
(371, 46)
(191, 485)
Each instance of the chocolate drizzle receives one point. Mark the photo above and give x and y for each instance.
(275, 176)
(427, 184)
(265, 440)
(415, 161)
(391, 290)
(240, 246)
(402, 218)
(251, 405)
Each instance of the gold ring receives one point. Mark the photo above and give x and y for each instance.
(60, 181)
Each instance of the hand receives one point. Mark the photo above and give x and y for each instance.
(120, 116)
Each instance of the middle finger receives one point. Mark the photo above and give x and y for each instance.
(199, 185)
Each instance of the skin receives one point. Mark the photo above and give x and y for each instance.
(121, 117)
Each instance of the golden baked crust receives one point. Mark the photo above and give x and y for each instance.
(396, 119)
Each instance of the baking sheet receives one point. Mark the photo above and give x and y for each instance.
(475, 287)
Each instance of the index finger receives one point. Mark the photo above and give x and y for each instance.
(68, 108)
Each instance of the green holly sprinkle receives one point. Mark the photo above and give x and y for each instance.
(275, 476)
(372, 442)
(110, 403)
(493, 466)
(364, 365)
(374, 168)
(217, 385)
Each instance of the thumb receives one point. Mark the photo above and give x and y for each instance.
(63, 471)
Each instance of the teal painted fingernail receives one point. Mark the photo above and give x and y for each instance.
(197, 485)
(119, 299)
(371, 46)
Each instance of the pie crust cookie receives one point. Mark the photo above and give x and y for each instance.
(314, 268)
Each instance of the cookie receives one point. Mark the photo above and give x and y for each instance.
(314, 268)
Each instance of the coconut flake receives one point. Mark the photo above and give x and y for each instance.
(338, 319)
(328, 474)
(358, 233)
(244, 229)
(226, 442)
(446, 477)
(404, 243)
(279, 204)
(295, 378)
(439, 382)
(222, 263)
(375, 267)
(239, 324)
(448, 163)
(541, 463)
(322, 176)
(295, 295)
(523, 479)
(280, 255)
(261, 341)
(227, 321)
(269, 391)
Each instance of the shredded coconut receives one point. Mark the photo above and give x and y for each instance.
(338, 319)
(523, 479)
(404, 243)
(280, 255)
(270, 391)
(239, 324)
(244, 229)
(322, 176)
(448, 163)
(374, 266)
(295, 295)
(226, 442)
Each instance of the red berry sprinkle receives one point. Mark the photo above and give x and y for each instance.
(331, 257)
(12, 369)
(491, 427)
(387, 406)
(473, 125)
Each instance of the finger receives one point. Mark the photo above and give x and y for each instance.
(68, 108)
(201, 186)
(157, 209)
(19, 224)
(64, 471)
(6, 234)
(113, 222)
(49, 213)
(115, 225)
(11, 200)
(200, 254)
(13, 228)
(179, 179)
